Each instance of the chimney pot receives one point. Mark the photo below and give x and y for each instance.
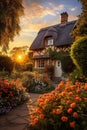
(64, 17)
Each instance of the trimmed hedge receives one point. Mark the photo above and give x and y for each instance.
(79, 54)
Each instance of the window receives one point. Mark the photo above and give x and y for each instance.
(50, 42)
(40, 63)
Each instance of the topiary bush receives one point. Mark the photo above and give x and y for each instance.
(79, 54)
(6, 64)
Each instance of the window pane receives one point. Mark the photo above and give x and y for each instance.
(50, 42)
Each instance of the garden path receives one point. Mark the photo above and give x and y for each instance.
(18, 118)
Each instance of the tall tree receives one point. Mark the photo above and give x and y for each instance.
(81, 29)
(19, 51)
(10, 12)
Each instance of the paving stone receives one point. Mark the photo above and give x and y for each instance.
(18, 118)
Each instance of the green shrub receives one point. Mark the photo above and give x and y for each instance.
(64, 57)
(37, 83)
(67, 64)
(6, 64)
(76, 75)
(79, 54)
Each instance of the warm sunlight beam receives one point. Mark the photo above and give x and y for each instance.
(20, 58)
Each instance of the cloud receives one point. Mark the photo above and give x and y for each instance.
(36, 9)
(73, 9)
(34, 27)
(72, 17)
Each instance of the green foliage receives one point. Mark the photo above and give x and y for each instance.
(6, 64)
(67, 64)
(79, 54)
(57, 55)
(81, 28)
(64, 57)
(76, 75)
(10, 11)
(49, 70)
(37, 84)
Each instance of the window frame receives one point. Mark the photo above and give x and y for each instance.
(50, 42)
(40, 63)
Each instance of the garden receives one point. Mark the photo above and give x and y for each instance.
(66, 106)
(63, 102)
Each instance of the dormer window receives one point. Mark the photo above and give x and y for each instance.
(50, 42)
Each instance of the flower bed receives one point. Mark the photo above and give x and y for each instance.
(37, 85)
(65, 108)
(12, 93)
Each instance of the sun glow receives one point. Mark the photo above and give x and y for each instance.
(20, 58)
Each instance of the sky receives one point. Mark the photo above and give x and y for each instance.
(42, 13)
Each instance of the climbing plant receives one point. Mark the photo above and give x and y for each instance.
(64, 57)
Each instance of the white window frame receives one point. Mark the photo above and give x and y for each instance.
(50, 42)
(40, 63)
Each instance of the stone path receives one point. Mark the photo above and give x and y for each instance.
(18, 118)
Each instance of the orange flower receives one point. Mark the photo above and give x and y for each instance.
(64, 118)
(74, 86)
(57, 111)
(68, 102)
(70, 93)
(41, 116)
(78, 90)
(75, 115)
(40, 100)
(73, 105)
(85, 99)
(69, 110)
(32, 117)
(35, 121)
(67, 89)
(38, 110)
(58, 88)
(63, 93)
(85, 86)
(78, 98)
(42, 104)
(72, 124)
(77, 83)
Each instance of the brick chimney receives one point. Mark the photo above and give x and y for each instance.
(64, 17)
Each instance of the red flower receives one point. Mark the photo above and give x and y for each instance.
(73, 105)
(72, 124)
(78, 98)
(75, 115)
(69, 110)
(64, 118)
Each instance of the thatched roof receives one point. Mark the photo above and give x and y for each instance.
(61, 34)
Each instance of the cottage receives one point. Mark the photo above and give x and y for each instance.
(54, 37)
